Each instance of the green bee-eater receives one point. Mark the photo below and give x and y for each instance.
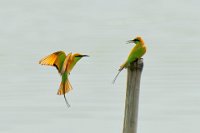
(136, 53)
(64, 65)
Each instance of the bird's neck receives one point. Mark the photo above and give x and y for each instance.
(139, 44)
(76, 60)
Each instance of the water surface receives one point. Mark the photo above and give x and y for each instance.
(169, 97)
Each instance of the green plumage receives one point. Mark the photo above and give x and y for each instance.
(64, 65)
(137, 52)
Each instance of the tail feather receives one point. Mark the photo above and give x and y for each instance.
(68, 105)
(120, 69)
(65, 87)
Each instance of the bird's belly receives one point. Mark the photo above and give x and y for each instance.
(136, 54)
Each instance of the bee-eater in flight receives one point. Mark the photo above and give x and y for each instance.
(64, 64)
(136, 53)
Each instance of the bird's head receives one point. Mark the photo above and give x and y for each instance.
(78, 56)
(137, 40)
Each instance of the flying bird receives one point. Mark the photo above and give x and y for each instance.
(136, 53)
(64, 64)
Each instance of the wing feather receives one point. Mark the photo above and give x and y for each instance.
(55, 59)
(66, 62)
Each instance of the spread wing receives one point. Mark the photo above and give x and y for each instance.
(55, 59)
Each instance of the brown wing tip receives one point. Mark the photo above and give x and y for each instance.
(40, 62)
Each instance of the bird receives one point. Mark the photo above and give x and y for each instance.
(136, 53)
(64, 64)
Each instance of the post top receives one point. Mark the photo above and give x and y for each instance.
(136, 65)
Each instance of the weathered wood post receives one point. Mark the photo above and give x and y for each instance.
(132, 96)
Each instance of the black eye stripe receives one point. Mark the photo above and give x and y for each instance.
(136, 40)
(78, 56)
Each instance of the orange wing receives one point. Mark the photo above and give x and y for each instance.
(55, 59)
(66, 63)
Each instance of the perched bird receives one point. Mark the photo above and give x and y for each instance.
(136, 53)
(64, 65)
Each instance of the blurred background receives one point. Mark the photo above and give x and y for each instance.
(169, 96)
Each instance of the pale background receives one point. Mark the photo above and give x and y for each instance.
(170, 85)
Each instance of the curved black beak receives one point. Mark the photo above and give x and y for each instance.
(130, 41)
(85, 55)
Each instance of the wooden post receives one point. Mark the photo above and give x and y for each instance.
(132, 96)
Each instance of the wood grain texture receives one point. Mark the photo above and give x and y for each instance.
(132, 96)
